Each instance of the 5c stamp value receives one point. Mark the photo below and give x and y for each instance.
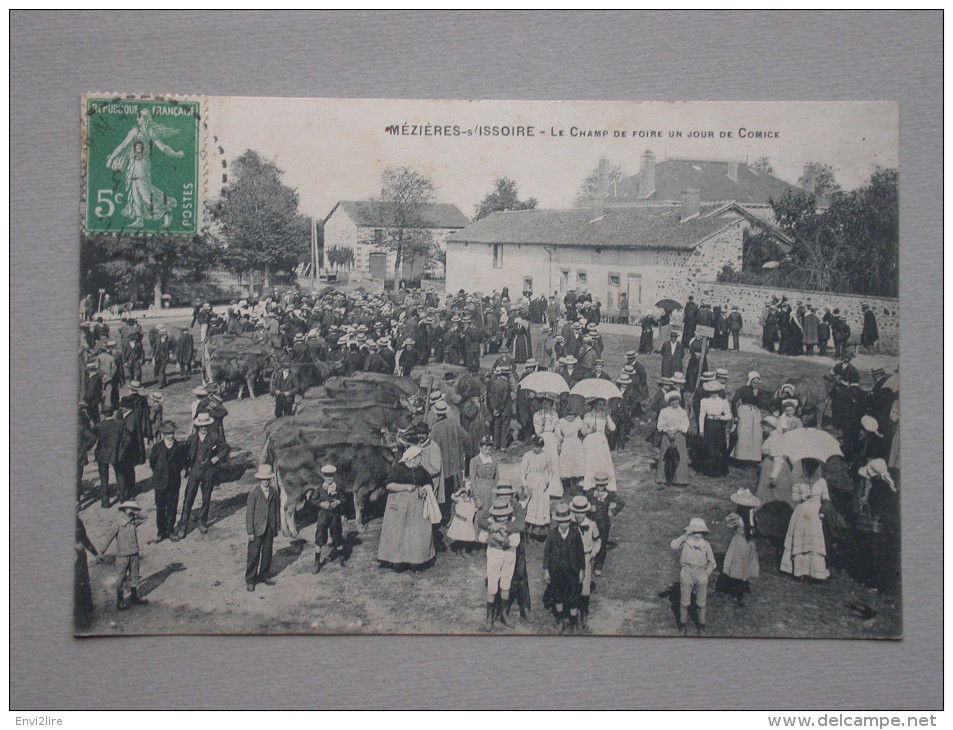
(142, 165)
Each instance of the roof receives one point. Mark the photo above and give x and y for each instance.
(627, 228)
(380, 214)
(710, 178)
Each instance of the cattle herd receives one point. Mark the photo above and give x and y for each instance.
(355, 377)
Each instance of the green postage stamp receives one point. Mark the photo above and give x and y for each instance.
(142, 157)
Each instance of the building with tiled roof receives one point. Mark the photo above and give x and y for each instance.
(361, 225)
(636, 255)
(716, 181)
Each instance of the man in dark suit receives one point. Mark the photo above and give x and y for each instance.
(672, 356)
(167, 460)
(206, 451)
(93, 390)
(689, 321)
(406, 358)
(160, 357)
(261, 524)
(498, 402)
(131, 450)
(387, 354)
(284, 386)
(107, 433)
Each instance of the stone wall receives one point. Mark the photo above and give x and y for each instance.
(751, 301)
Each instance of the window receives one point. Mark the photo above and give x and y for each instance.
(582, 277)
(614, 280)
(378, 236)
(527, 283)
(497, 256)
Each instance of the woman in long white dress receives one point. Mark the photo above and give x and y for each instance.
(596, 446)
(544, 425)
(572, 457)
(805, 549)
(536, 471)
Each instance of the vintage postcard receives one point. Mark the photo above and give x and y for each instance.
(352, 366)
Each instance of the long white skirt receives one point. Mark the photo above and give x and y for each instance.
(598, 458)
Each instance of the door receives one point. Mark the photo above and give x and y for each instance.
(563, 281)
(378, 265)
(635, 290)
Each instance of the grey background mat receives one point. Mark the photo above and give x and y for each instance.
(55, 56)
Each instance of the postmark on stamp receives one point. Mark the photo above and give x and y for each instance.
(142, 158)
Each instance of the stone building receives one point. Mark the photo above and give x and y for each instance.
(640, 254)
(365, 225)
(716, 182)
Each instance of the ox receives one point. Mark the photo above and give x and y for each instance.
(231, 359)
(813, 395)
(362, 471)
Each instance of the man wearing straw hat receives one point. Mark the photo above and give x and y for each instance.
(206, 450)
(564, 566)
(261, 524)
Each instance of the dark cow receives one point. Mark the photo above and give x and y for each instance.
(813, 395)
(235, 359)
(362, 471)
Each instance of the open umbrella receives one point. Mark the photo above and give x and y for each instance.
(596, 388)
(668, 304)
(545, 382)
(807, 443)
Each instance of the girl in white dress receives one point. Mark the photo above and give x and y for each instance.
(572, 458)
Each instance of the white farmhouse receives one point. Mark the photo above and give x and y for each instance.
(641, 253)
(362, 226)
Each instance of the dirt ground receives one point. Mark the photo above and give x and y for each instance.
(197, 585)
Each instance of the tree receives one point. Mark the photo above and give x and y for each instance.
(257, 218)
(405, 193)
(504, 196)
(825, 184)
(762, 166)
(590, 186)
(340, 256)
(140, 266)
(853, 246)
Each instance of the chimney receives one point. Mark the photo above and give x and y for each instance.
(647, 175)
(690, 203)
(602, 189)
(808, 179)
(733, 171)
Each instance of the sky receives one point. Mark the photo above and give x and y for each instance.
(336, 149)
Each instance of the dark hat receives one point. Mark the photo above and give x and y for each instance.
(168, 427)
(537, 441)
(127, 401)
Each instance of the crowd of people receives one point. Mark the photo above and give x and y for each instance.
(445, 490)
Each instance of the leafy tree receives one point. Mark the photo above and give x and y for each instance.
(405, 193)
(762, 166)
(590, 186)
(340, 256)
(852, 246)
(825, 183)
(257, 218)
(504, 196)
(140, 266)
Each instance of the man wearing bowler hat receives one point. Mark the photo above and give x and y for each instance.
(261, 524)
(167, 460)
